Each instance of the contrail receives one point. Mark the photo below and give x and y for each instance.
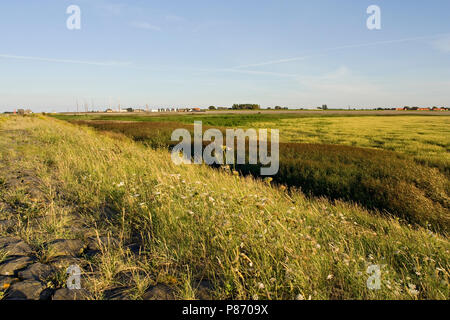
(95, 63)
(326, 51)
(235, 70)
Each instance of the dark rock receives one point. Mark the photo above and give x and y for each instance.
(19, 248)
(135, 248)
(88, 254)
(63, 247)
(96, 244)
(46, 294)
(5, 241)
(14, 246)
(25, 290)
(121, 293)
(63, 262)
(203, 290)
(37, 271)
(67, 294)
(6, 282)
(11, 266)
(127, 277)
(159, 292)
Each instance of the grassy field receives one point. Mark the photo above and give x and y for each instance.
(426, 138)
(339, 162)
(247, 238)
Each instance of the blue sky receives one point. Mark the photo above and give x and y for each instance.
(198, 53)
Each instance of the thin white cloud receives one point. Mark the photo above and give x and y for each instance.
(266, 63)
(340, 72)
(352, 46)
(95, 63)
(211, 24)
(145, 26)
(174, 18)
(277, 74)
(112, 9)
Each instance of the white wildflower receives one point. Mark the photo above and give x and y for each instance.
(299, 297)
(412, 289)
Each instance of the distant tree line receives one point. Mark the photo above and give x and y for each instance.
(246, 107)
(280, 108)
